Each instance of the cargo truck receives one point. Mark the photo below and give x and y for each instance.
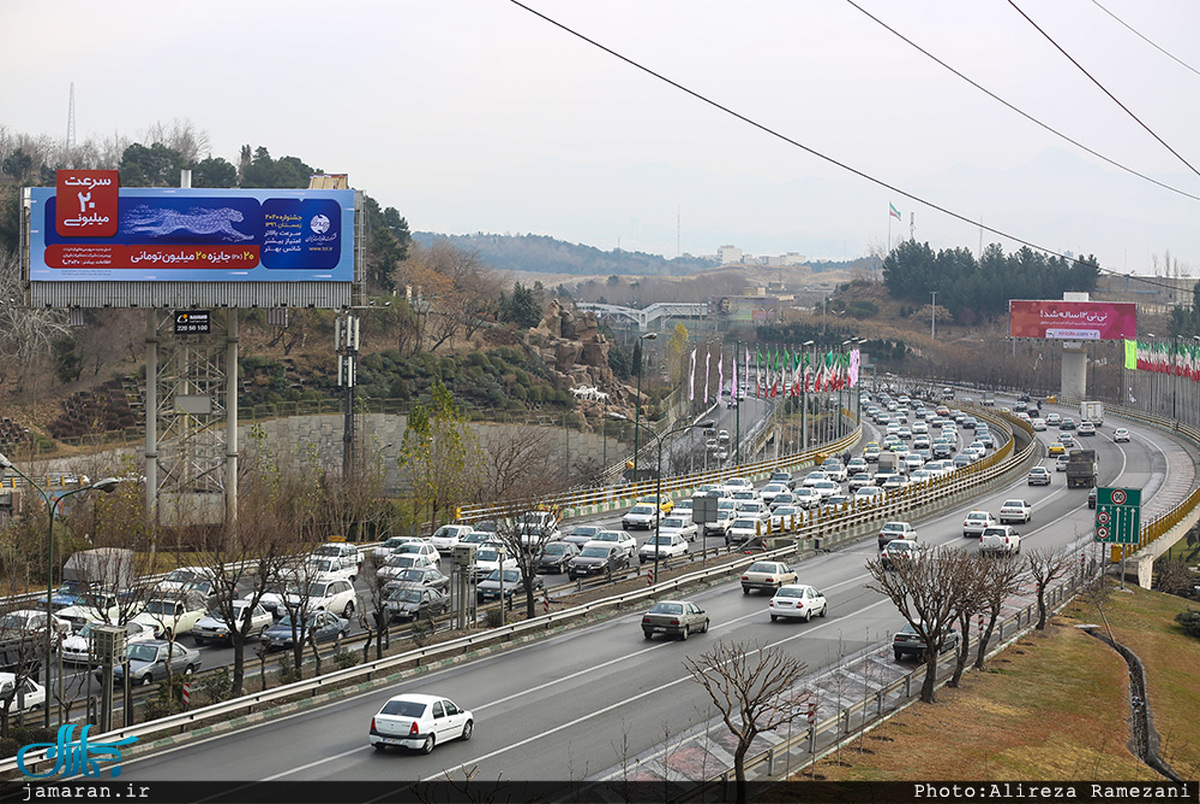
(1082, 467)
(1092, 412)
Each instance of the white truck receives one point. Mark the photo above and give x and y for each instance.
(1092, 412)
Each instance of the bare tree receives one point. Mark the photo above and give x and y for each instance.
(1002, 580)
(754, 688)
(926, 592)
(517, 462)
(970, 599)
(1044, 567)
(375, 618)
(26, 333)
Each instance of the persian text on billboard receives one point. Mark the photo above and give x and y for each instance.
(1070, 320)
(185, 235)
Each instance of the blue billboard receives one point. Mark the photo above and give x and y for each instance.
(197, 235)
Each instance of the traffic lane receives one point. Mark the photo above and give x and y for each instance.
(606, 670)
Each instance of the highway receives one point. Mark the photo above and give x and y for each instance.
(579, 704)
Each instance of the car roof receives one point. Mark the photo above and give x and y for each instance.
(417, 697)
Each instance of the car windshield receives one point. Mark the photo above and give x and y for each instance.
(487, 554)
(554, 549)
(642, 509)
(406, 596)
(1013, 504)
(403, 709)
(746, 524)
(511, 576)
(660, 540)
(160, 607)
(412, 575)
(595, 552)
(667, 608)
(790, 592)
(585, 530)
(608, 536)
(410, 547)
(317, 589)
(142, 653)
(321, 565)
(180, 576)
(672, 523)
(763, 566)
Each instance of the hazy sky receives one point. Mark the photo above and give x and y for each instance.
(477, 115)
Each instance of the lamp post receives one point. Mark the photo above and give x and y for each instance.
(658, 479)
(637, 408)
(108, 485)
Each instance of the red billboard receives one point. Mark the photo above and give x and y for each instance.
(1073, 320)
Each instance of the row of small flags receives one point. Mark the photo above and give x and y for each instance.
(1164, 357)
(785, 373)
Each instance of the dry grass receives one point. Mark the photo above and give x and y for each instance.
(1054, 706)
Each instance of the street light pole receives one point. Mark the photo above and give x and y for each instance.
(108, 485)
(637, 407)
(658, 479)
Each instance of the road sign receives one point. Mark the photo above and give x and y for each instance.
(1118, 515)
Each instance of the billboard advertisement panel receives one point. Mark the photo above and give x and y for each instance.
(748, 309)
(1072, 320)
(88, 230)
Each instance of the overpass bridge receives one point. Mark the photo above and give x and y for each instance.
(647, 315)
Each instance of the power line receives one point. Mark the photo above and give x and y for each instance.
(767, 130)
(1024, 114)
(1111, 96)
(807, 149)
(1146, 40)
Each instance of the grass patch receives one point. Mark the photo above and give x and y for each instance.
(1057, 710)
(1144, 622)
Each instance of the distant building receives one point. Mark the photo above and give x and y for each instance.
(729, 254)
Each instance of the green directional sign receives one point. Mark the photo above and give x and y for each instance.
(1118, 515)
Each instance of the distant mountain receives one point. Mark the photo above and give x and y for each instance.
(541, 254)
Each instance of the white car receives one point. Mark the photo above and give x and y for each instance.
(28, 696)
(835, 469)
(869, 493)
(1015, 511)
(385, 549)
(815, 476)
(772, 490)
(212, 627)
(976, 522)
(181, 579)
(1060, 463)
(797, 601)
(616, 538)
(418, 548)
(807, 497)
(896, 530)
(76, 649)
(171, 618)
(743, 529)
(641, 515)
(736, 484)
(341, 550)
(325, 568)
(488, 560)
(825, 488)
(399, 562)
(1120, 435)
(784, 516)
(752, 508)
(419, 722)
(333, 596)
(97, 607)
(666, 545)
(446, 537)
(685, 528)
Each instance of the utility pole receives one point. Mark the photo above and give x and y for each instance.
(933, 316)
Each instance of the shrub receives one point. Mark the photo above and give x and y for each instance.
(215, 687)
(1190, 621)
(345, 659)
(493, 618)
(288, 672)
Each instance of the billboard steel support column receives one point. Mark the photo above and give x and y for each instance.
(231, 418)
(151, 414)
